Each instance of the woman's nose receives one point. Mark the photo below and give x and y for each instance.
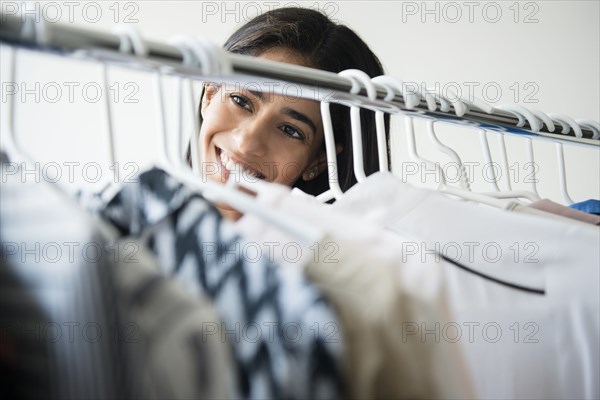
(251, 139)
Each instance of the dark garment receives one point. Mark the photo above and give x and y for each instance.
(56, 309)
(83, 316)
(273, 318)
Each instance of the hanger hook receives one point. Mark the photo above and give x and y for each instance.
(411, 98)
(130, 40)
(335, 191)
(207, 55)
(567, 123)
(382, 145)
(522, 114)
(358, 76)
(213, 61)
(594, 126)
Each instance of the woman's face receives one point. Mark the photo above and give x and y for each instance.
(249, 135)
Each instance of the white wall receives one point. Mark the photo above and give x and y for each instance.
(540, 54)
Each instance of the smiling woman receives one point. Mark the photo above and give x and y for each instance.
(271, 137)
(280, 138)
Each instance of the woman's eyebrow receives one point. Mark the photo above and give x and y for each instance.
(300, 117)
(258, 94)
(290, 112)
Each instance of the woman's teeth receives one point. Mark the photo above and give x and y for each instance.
(231, 166)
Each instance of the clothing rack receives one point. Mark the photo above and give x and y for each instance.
(401, 253)
(81, 42)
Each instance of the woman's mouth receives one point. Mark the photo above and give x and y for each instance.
(229, 166)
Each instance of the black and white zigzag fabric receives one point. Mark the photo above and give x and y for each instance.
(85, 316)
(272, 317)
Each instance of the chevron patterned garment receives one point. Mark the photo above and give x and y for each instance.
(272, 317)
(100, 323)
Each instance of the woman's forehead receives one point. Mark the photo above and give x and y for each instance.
(286, 55)
(275, 93)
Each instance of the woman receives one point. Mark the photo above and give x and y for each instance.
(278, 138)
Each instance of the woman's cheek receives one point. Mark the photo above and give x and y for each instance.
(217, 118)
(289, 167)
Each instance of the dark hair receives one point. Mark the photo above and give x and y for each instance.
(327, 46)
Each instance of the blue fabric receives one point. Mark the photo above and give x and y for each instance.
(589, 206)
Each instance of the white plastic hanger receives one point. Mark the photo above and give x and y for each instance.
(504, 160)
(35, 28)
(195, 154)
(463, 178)
(533, 181)
(444, 104)
(567, 123)
(429, 99)
(562, 173)
(443, 187)
(544, 118)
(335, 191)
(110, 122)
(13, 147)
(560, 155)
(594, 126)
(473, 103)
(459, 105)
(460, 108)
(130, 42)
(357, 76)
(17, 154)
(411, 100)
(203, 52)
(522, 114)
(382, 145)
(184, 45)
(529, 195)
(391, 83)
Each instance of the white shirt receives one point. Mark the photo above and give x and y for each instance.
(520, 345)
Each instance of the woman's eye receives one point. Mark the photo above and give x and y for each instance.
(241, 101)
(292, 132)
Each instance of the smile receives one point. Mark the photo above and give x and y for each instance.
(230, 166)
